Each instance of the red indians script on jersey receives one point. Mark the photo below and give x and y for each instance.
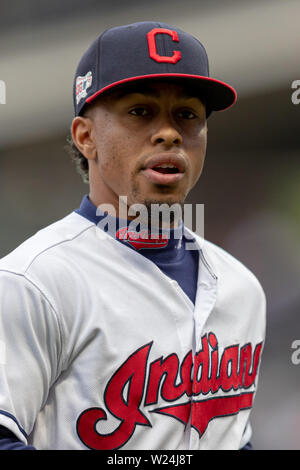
(167, 379)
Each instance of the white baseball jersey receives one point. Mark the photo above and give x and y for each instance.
(101, 350)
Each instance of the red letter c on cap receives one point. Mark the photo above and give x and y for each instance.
(152, 46)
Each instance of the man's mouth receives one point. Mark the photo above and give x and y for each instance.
(165, 169)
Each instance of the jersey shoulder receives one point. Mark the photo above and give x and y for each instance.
(48, 238)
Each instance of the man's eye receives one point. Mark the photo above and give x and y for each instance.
(187, 114)
(139, 111)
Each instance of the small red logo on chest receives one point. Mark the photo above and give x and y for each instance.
(142, 239)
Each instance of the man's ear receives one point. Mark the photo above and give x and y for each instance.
(81, 130)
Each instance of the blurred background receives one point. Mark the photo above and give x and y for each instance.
(250, 184)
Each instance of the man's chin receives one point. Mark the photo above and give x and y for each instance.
(168, 202)
(163, 204)
(161, 212)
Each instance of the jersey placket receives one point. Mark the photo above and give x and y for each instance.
(205, 301)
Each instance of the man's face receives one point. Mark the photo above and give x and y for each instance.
(150, 142)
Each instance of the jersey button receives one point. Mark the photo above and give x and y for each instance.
(204, 286)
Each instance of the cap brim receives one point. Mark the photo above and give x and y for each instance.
(218, 95)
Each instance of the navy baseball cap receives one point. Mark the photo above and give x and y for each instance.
(147, 51)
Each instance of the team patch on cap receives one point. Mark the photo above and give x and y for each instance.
(82, 83)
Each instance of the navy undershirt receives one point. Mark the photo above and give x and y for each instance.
(173, 259)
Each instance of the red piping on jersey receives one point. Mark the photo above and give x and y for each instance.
(164, 75)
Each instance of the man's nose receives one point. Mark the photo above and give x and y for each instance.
(166, 133)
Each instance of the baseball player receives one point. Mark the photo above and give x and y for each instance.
(114, 335)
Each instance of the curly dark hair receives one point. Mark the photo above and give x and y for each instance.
(81, 162)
